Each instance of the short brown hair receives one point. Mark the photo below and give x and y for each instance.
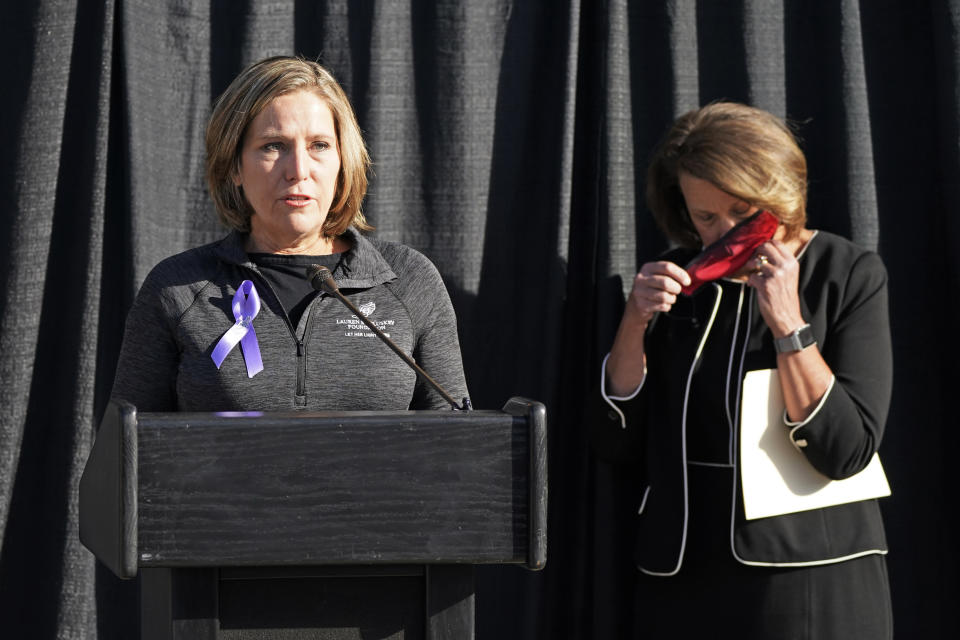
(248, 94)
(747, 152)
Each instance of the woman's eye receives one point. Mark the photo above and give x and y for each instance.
(321, 145)
(272, 146)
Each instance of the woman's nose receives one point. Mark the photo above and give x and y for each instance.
(298, 167)
(725, 224)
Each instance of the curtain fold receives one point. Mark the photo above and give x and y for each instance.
(510, 142)
(52, 243)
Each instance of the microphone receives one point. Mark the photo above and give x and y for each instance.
(322, 280)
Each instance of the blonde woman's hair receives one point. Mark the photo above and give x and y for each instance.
(746, 152)
(248, 95)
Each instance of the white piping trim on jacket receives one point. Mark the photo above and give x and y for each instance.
(802, 442)
(813, 563)
(683, 434)
(719, 465)
(643, 502)
(791, 423)
(803, 249)
(609, 399)
(736, 466)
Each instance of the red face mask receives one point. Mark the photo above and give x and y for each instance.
(728, 254)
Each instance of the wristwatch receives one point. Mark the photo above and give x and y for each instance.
(799, 340)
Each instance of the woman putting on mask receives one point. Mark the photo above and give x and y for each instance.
(807, 304)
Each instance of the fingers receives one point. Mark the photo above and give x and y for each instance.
(774, 276)
(667, 273)
(650, 301)
(765, 272)
(773, 260)
(656, 287)
(775, 248)
(760, 261)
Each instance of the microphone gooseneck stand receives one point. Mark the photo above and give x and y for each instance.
(322, 280)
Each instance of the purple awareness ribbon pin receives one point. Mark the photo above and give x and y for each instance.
(246, 306)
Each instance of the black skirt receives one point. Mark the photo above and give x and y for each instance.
(713, 595)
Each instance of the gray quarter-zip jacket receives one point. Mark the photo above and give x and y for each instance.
(330, 361)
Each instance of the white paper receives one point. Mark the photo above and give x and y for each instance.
(776, 477)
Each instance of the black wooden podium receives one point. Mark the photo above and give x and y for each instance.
(314, 525)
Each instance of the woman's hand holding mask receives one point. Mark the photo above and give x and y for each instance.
(655, 289)
(776, 279)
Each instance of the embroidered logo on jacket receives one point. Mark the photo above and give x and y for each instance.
(354, 327)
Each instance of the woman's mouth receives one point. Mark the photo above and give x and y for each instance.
(297, 200)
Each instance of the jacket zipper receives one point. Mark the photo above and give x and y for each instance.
(301, 368)
(302, 351)
(301, 388)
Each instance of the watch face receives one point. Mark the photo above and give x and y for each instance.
(732, 251)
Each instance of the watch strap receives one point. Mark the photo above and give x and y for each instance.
(798, 340)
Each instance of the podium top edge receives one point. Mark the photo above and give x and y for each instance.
(509, 410)
(418, 414)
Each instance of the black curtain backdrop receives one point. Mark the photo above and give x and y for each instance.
(509, 141)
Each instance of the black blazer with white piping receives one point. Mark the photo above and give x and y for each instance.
(843, 295)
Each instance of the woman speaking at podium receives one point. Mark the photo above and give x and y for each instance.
(235, 325)
(750, 294)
